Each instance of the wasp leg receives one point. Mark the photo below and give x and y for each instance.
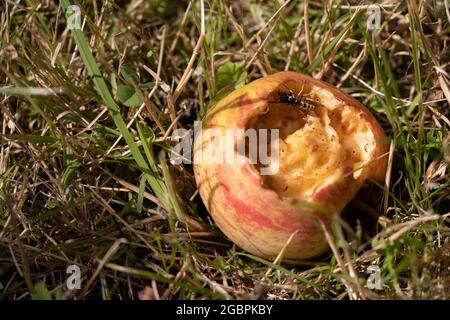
(301, 90)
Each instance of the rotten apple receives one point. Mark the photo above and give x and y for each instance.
(326, 147)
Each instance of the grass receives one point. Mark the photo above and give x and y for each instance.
(86, 117)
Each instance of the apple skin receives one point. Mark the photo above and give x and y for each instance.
(255, 217)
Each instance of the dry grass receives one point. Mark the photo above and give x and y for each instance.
(73, 191)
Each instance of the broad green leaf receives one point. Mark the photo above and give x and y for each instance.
(128, 73)
(230, 74)
(127, 96)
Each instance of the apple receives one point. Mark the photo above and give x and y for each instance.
(326, 147)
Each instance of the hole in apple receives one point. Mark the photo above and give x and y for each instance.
(316, 147)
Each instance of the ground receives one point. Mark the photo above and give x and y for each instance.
(79, 191)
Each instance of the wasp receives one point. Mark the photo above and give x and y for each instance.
(299, 101)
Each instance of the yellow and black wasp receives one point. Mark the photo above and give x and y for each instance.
(298, 101)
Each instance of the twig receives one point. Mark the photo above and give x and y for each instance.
(293, 43)
(307, 31)
(361, 55)
(266, 24)
(171, 99)
(350, 290)
(263, 43)
(281, 253)
(111, 251)
(180, 28)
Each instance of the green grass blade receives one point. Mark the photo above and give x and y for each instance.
(103, 91)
